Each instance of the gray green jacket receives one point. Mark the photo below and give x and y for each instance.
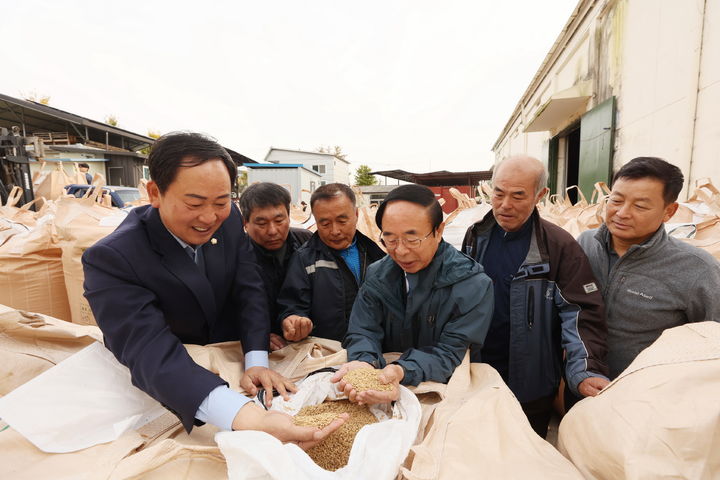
(448, 310)
(660, 284)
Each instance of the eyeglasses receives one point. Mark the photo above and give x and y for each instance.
(409, 243)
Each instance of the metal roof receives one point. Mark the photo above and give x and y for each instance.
(281, 165)
(304, 151)
(85, 149)
(37, 116)
(442, 178)
(239, 158)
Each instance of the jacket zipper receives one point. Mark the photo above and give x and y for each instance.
(531, 307)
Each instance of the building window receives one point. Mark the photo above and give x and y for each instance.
(322, 182)
(319, 169)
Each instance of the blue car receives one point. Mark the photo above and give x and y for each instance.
(120, 196)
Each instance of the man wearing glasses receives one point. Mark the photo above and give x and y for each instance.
(325, 273)
(546, 298)
(426, 299)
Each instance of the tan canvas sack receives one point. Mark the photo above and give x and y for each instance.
(52, 185)
(478, 430)
(31, 271)
(659, 419)
(31, 344)
(79, 223)
(77, 176)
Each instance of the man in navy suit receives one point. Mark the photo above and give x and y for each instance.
(182, 270)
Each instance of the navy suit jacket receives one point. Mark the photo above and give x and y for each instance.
(149, 297)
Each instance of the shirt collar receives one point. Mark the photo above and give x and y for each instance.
(351, 246)
(183, 244)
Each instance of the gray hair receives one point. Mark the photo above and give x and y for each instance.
(542, 177)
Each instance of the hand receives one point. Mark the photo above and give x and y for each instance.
(268, 379)
(280, 425)
(392, 374)
(295, 327)
(345, 368)
(591, 386)
(277, 342)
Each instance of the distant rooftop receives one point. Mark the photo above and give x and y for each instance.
(441, 178)
(303, 151)
(280, 165)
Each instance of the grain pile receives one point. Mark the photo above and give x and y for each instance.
(366, 379)
(334, 452)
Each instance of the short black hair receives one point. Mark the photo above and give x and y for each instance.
(330, 190)
(83, 165)
(418, 194)
(185, 149)
(261, 195)
(657, 168)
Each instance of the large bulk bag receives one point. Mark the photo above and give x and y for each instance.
(81, 222)
(659, 419)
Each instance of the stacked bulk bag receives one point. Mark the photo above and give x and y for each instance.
(31, 271)
(80, 222)
(659, 419)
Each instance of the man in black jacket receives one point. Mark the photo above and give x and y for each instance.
(325, 273)
(265, 207)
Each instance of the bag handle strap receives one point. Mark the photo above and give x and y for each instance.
(31, 203)
(94, 191)
(581, 195)
(14, 196)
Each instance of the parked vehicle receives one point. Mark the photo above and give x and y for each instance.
(120, 195)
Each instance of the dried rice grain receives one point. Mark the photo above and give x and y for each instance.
(366, 379)
(333, 453)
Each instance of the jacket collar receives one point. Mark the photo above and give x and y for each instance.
(660, 236)
(179, 263)
(537, 253)
(315, 242)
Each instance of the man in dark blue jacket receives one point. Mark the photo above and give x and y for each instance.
(265, 207)
(182, 270)
(325, 273)
(546, 298)
(426, 300)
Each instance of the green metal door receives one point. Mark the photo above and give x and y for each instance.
(552, 164)
(597, 134)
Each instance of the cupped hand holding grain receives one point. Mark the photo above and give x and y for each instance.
(344, 369)
(391, 376)
(364, 385)
(281, 426)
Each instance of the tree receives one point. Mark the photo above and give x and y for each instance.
(34, 97)
(336, 151)
(242, 180)
(364, 177)
(111, 120)
(152, 134)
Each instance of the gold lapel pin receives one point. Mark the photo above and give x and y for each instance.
(213, 241)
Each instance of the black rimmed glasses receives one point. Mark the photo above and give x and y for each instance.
(409, 243)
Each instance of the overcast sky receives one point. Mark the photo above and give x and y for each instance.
(417, 85)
